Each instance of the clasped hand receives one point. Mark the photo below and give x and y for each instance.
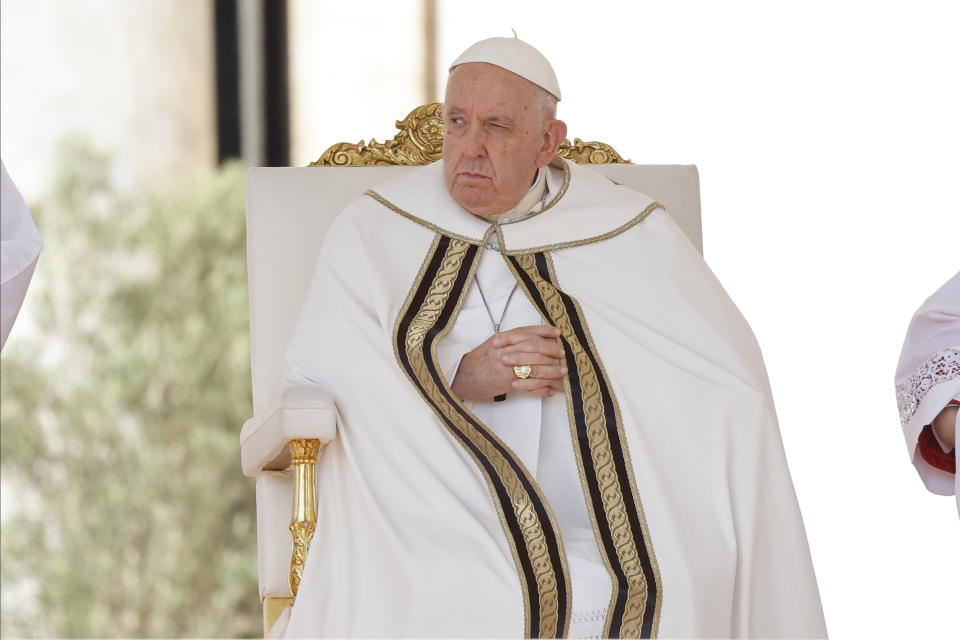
(944, 423)
(487, 371)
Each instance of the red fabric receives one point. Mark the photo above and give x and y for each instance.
(931, 452)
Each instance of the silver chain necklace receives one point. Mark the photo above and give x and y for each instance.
(496, 325)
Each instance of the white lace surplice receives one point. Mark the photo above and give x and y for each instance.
(928, 376)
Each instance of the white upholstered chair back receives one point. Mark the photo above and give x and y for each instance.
(288, 211)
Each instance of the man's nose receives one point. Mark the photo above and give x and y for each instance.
(475, 144)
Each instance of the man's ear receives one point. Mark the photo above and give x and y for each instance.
(553, 137)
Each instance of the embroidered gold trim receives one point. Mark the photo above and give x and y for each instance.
(645, 529)
(653, 206)
(568, 397)
(429, 225)
(532, 532)
(433, 227)
(615, 509)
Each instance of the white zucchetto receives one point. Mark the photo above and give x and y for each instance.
(513, 54)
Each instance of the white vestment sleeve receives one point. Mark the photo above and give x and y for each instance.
(20, 246)
(928, 377)
(449, 355)
(934, 479)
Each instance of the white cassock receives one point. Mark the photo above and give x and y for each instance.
(20, 246)
(650, 498)
(928, 378)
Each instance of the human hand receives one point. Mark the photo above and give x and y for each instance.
(487, 371)
(944, 425)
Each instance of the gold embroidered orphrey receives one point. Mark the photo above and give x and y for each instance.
(531, 528)
(620, 526)
(420, 141)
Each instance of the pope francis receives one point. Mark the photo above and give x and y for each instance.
(552, 421)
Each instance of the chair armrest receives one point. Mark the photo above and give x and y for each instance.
(304, 411)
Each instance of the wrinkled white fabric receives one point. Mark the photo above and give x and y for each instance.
(408, 540)
(20, 246)
(928, 377)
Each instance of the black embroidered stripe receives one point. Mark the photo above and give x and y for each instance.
(578, 325)
(619, 458)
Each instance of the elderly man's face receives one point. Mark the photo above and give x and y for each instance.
(497, 135)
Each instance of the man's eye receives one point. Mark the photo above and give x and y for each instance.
(456, 120)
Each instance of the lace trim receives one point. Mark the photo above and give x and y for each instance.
(588, 615)
(943, 366)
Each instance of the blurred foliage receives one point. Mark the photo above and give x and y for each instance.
(122, 400)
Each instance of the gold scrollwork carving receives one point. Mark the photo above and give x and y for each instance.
(420, 141)
(302, 536)
(590, 153)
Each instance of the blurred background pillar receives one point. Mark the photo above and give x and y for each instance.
(135, 77)
(253, 106)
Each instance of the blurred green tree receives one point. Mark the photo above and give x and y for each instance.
(125, 512)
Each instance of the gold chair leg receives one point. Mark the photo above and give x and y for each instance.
(303, 522)
(304, 519)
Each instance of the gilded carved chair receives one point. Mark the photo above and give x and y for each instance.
(288, 212)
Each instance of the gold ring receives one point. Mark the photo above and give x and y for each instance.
(523, 371)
